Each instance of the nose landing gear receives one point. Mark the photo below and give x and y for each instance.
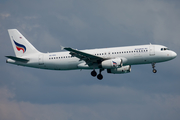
(153, 66)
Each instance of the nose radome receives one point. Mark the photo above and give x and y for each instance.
(173, 54)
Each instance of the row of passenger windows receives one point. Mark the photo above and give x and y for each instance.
(136, 51)
(60, 57)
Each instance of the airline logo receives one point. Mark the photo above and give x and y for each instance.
(20, 47)
(114, 63)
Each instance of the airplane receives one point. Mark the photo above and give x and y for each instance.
(116, 60)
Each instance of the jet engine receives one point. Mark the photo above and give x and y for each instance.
(121, 70)
(112, 63)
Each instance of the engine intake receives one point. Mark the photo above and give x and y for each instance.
(121, 70)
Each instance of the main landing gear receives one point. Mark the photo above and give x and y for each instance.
(153, 66)
(99, 76)
(94, 73)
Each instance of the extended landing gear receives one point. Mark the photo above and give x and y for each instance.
(153, 66)
(94, 73)
(154, 71)
(99, 76)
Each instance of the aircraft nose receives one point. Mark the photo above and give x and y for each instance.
(174, 54)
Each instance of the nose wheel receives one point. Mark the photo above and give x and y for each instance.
(153, 66)
(154, 71)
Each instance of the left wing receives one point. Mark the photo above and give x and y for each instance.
(88, 58)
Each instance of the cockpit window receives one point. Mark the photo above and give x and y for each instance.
(163, 49)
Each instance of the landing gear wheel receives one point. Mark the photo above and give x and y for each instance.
(153, 66)
(154, 71)
(93, 73)
(100, 77)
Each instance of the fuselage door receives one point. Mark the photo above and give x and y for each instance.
(151, 50)
(40, 59)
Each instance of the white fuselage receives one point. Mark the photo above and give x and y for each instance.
(116, 60)
(130, 55)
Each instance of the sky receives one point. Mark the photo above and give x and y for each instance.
(29, 93)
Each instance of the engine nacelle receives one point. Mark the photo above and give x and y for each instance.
(112, 63)
(121, 70)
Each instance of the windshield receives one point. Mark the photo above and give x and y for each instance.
(162, 49)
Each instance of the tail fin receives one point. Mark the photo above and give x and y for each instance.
(20, 44)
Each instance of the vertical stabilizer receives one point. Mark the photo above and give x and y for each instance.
(20, 44)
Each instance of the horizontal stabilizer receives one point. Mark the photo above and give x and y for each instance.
(18, 59)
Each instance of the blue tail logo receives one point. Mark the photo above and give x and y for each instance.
(20, 47)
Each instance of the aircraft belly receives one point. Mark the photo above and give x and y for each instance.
(138, 60)
(63, 65)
